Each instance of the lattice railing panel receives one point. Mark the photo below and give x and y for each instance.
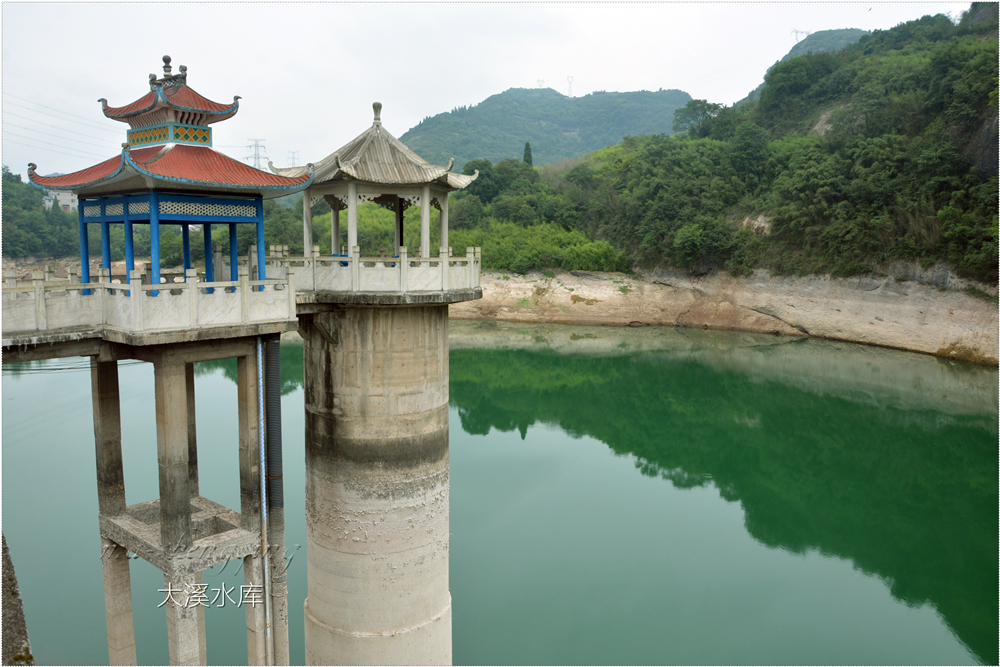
(206, 209)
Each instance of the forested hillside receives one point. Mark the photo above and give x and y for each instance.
(817, 42)
(557, 126)
(884, 150)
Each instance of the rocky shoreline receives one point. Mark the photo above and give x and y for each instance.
(921, 310)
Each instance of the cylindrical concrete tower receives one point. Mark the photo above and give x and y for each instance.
(376, 398)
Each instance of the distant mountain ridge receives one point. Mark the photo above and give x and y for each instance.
(557, 126)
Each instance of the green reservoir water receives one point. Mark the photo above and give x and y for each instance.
(650, 496)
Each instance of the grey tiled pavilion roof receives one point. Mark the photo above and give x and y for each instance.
(375, 156)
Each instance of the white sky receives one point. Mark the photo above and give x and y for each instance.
(308, 73)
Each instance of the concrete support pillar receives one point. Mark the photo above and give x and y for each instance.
(352, 215)
(118, 603)
(170, 380)
(376, 397)
(249, 455)
(108, 436)
(425, 222)
(111, 502)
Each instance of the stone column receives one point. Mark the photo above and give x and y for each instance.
(376, 397)
(425, 222)
(443, 200)
(334, 230)
(352, 216)
(307, 223)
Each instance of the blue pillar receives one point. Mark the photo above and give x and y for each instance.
(186, 243)
(206, 230)
(154, 238)
(261, 271)
(129, 248)
(234, 273)
(84, 248)
(105, 236)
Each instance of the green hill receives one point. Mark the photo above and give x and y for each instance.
(817, 42)
(557, 126)
(884, 150)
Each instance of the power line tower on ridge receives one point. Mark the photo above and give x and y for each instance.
(293, 158)
(570, 79)
(258, 153)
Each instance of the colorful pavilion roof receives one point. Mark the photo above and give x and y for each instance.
(375, 156)
(174, 166)
(170, 148)
(171, 93)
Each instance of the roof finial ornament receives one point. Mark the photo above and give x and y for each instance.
(377, 106)
(166, 66)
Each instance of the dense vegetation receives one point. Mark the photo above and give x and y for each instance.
(817, 42)
(557, 126)
(885, 150)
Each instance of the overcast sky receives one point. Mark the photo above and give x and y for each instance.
(308, 73)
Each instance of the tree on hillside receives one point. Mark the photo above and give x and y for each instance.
(695, 118)
(527, 154)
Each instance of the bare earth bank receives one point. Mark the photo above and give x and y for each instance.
(919, 310)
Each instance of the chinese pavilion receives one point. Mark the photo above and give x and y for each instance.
(168, 173)
(376, 166)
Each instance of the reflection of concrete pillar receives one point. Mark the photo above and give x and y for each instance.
(376, 396)
(118, 604)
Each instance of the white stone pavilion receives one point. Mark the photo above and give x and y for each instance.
(376, 166)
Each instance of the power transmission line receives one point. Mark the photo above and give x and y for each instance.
(82, 121)
(259, 152)
(54, 136)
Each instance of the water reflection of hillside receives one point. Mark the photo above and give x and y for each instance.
(885, 458)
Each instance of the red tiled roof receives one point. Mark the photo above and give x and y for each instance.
(80, 178)
(180, 97)
(194, 165)
(189, 100)
(200, 164)
(144, 103)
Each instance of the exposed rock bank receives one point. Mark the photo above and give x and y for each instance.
(923, 310)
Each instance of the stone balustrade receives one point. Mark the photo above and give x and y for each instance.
(379, 273)
(50, 305)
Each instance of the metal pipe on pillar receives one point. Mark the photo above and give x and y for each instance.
(275, 499)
